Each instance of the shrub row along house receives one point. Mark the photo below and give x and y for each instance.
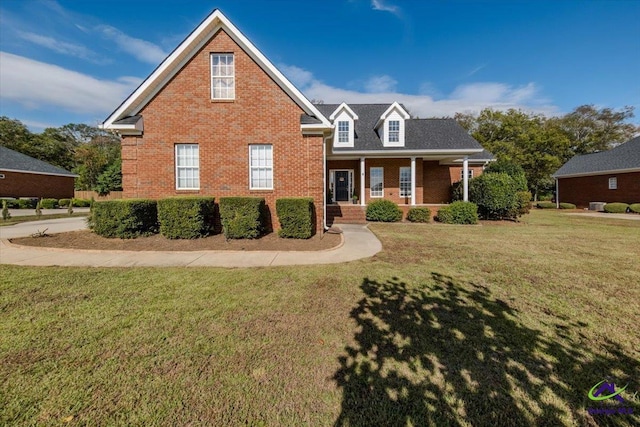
(607, 176)
(216, 118)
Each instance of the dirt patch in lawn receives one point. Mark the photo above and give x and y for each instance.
(85, 239)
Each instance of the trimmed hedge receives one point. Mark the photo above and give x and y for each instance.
(81, 203)
(616, 207)
(635, 207)
(63, 203)
(49, 203)
(567, 206)
(419, 215)
(384, 211)
(242, 217)
(126, 218)
(186, 217)
(545, 205)
(459, 213)
(26, 203)
(296, 217)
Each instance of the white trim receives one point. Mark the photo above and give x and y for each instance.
(223, 76)
(413, 181)
(363, 172)
(613, 180)
(272, 168)
(324, 182)
(175, 160)
(465, 180)
(402, 153)
(186, 50)
(607, 172)
(400, 182)
(395, 106)
(346, 108)
(371, 186)
(39, 173)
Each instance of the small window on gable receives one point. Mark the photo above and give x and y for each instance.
(394, 130)
(613, 183)
(343, 131)
(223, 85)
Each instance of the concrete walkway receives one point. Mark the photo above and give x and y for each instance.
(27, 212)
(358, 243)
(632, 217)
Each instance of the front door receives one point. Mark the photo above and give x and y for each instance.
(342, 186)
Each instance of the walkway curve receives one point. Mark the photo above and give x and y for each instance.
(358, 243)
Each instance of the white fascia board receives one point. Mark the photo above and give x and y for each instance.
(395, 106)
(129, 129)
(416, 153)
(69, 175)
(346, 108)
(607, 172)
(186, 50)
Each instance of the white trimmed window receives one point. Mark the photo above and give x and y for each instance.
(376, 182)
(187, 167)
(394, 130)
(470, 174)
(405, 181)
(343, 131)
(223, 84)
(261, 167)
(613, 183)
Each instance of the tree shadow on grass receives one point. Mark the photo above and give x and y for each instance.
(446, 352)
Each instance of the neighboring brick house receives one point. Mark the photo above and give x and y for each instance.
(24, 176)
(607, 176)
(217, 118)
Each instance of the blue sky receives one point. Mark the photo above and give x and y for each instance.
(72, 61)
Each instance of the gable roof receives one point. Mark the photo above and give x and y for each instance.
(13, 161)
(420, 134)
(623, 158)
(177, 59)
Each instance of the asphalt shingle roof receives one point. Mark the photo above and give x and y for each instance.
(420, 134)
(624, 156)
(12, 160)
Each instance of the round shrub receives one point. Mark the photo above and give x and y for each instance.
(49, 203)
(545, 205)
(513, 170)
(419, 215)
(81, 203)
(567, 206)
(27, 203)
(524, 202)
(384, 211)
(458, 213)
(495, 194)
(635, 208)
(616, 207)
(63, 203)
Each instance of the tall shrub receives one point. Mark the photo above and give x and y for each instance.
(296, 216)
(496, 195)
(126, 218)
(242, 217)
(186, 217)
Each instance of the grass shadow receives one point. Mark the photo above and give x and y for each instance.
(445, 352)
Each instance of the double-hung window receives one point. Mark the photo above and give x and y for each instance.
(613, 183)
(223, 84)
(405, 181)
(376, 182)
(470, 174)
(187, 167)
(261, 167)
(394, 131)
(343, 131)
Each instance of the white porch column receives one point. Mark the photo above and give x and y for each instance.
(362, 177)
(465, 178)
(413, 181)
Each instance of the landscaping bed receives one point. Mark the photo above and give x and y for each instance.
(85, 239)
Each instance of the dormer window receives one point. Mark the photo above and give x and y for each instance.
(343, 131)
(394, 130)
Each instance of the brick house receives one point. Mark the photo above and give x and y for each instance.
(607, 176)
(218, 118)
(24, 176)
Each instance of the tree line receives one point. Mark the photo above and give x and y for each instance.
(541, 144)
(91, 153)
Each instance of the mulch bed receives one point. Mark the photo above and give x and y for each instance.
(86, 239)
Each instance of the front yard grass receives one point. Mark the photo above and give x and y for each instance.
(500, 324)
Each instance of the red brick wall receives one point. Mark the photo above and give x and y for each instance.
(439, 178)
(261, 113)
(17, 184)
(392, 179)
(582, 190)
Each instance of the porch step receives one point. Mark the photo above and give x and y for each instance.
(346, 214)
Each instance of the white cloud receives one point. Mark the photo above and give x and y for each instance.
(468, 98)
(142, 50)
(60, 46)
(380, 84)
(35, 85)
(297, 75)
(380, 5)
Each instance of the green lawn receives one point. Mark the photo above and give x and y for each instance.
(27, 218)
(493, 325)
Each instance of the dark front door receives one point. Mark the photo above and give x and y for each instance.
(342, 186)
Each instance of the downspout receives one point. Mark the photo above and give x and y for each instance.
(557, 194)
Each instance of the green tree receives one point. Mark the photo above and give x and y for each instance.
(110, 179)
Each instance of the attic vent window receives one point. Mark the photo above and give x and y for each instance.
(394, 131)
(223, 76)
